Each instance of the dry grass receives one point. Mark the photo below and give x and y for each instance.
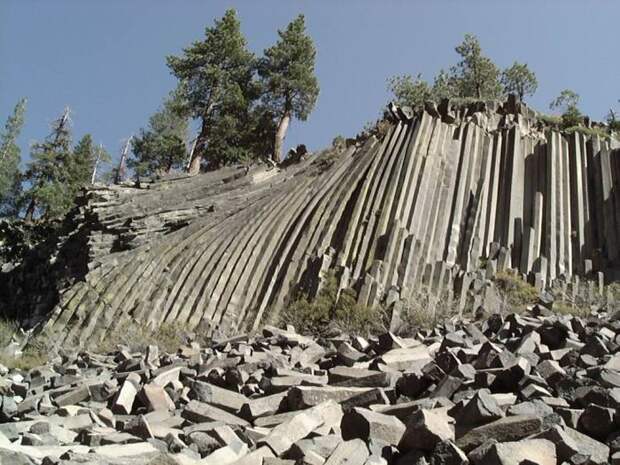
(7, 329)
(426, 310)
(33, 356)
(328, 310)
(516, 293)
(168, 337)
(28, 360)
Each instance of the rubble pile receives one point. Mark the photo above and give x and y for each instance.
(532, 388)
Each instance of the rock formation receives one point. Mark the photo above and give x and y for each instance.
(444, 193)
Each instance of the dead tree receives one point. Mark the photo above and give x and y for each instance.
(93, 178)
(191, 155)
(121, 172)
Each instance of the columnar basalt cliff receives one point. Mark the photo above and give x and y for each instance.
(444, 193)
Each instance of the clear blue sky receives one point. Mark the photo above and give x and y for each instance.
(106, 59)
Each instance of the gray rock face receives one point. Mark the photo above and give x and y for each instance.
(418, 207)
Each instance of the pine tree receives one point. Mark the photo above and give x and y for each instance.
(10, 158)
(215, 81)
(161, 147)
(409, 91)
(287, 73)
(519, 79)
(57, 171)
(475, 75)
(83, 162)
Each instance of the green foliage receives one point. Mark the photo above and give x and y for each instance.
(409, 91)
(287, 73)
(339, 143)
(600, 132)
(215, 73)
(328, 310)
(18, 238)
(48, 173)
(240, 137)
(565, 100)
(57, 171)
(612, 121)
(571, 117)
(10, 175)
(239, 115)
(161, 147)
(288, 82)
(216, 85)
(614, 125)
(82, 163)
(568, 102)
(550, 120)
(444, 86)
(475, 75)
(519, 79)
(515, 292)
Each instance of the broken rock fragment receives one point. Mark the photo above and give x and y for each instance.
(425, 429)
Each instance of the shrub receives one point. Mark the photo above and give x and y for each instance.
(571, 117)
(550, 120)
(28, 360)
(613, 291)
(516, 293)
(379, 128)
(600, 132)
(614, 125)
(339, 143)
(566, 308)
(426, 310)
(34, 355)
(328, 310)
(7, 329)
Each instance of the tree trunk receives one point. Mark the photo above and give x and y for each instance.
(30, 210)
(198, 149)
(122, 164)
(93, 178)
(280, 135)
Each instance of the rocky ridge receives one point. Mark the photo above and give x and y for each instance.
(532, 388)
